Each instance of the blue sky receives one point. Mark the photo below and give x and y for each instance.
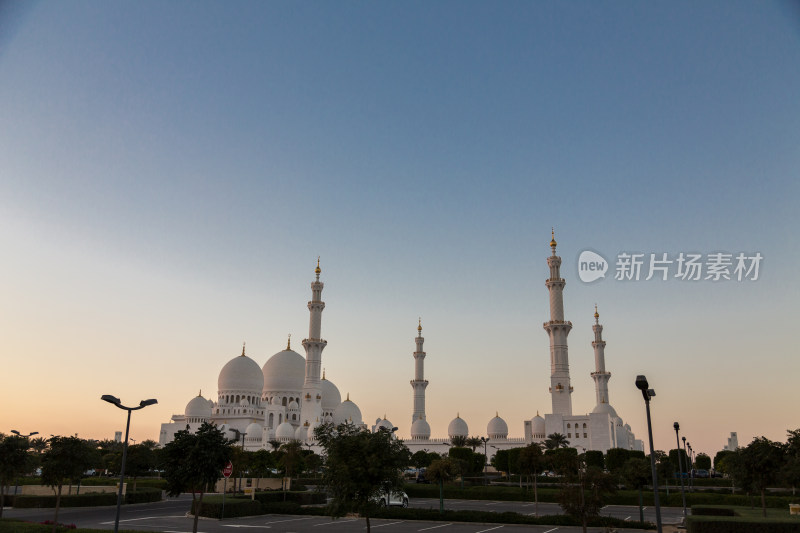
(169, 173)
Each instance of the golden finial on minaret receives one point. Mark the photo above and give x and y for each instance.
(243, 348)
(419, 327)
(318, 270)
(596, 314)
(553, 240)
(289, 342)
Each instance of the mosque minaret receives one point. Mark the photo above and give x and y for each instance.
(600, 376)
(419, 384)
(311, 403)
(558, 329)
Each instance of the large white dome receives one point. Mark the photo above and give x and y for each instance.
(254, 431)
(284, 372)
(285, 432)
(457, 428)
(241, 374)
(497, 428)
(198, 407)
(420, 429)
(331, 397)
(347, 412)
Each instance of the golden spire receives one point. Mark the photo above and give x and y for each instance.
(596, 314)
(200, 393)
(243, 348)
(497, 414)
(289, 342)
(323, 375)
(419, 327)
(553, 240)
(348, 397)
(318, 270)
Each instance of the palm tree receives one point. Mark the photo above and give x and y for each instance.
(555, 441)
(458, 441)
(473, 442)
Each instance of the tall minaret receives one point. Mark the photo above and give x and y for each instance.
(600, 376)
(419, 383)
(311, 403)
(558, 329)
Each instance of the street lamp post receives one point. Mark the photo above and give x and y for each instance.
(690, 468)
(116, 401)
(680, 467)
(647, 393)
(18, 434)
(485, 440)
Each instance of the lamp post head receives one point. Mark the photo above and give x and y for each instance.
(110, 399)
(676, 426)
(641, 383)
(145, 403)
(684, 440)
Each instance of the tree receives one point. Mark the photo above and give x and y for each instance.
(193, 462)
(583, 489)
(636, 473)
(531, 461)
(423, 459)
(140, 461)
(65, 461)
(595, 458)
(290, 459)
(762, 461)
(361, 467)
(14, 460)
(562, 460)
(702, 462)
(791, 471)
(441, 470)
(555, 441)
(679, 460)
(262, 464)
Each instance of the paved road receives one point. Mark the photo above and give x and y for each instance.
(170, 516)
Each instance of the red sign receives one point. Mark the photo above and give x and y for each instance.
(228, 470)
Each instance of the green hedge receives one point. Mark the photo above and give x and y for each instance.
(707, 510)
(9, 525)
(90, 499)
(724, 524)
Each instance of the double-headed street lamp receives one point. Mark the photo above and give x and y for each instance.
(647, 393)
(18, 434)
(114, 400)
(680, 467)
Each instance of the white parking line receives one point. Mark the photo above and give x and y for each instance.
(490, 529)
(143, 518)
(434, 527)
(627, 518)
(335, 522)
(549, 530)
(290, 520)
(389, 524)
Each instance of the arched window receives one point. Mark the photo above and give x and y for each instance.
(271, 419)
(584, 425)
(237, 398)
(280, 418)
(568, 426)
(284, 402)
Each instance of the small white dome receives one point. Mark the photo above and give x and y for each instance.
(284, 372)
(285, 432)
(347, 412)
(537, 426)
(497, 428)
(383, 424)
(301, 433)
(254, 430)
(241, 374)
(331, 397)
(198, 407)
(244, 403)
(420, 429)
(293, 405)
(457, 428)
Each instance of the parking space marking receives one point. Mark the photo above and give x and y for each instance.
(389, 524)
(335, 522)
(434, 527)
(290, 520)
(549, 530)
(490, 529)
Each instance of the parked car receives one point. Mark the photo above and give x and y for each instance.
(396, 499)
(701, 473)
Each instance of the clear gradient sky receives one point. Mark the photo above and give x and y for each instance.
(170, 171)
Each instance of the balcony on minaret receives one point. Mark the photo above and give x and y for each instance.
(557, 323)
(560, 388)
(600, 374)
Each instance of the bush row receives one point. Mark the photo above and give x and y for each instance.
(8, 525)
(621, 497)
(90, 499)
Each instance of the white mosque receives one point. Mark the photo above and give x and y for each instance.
(289, 396)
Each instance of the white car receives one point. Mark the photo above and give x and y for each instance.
(396, 499)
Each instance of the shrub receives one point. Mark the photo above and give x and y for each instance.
(720, 524)
(706, 510)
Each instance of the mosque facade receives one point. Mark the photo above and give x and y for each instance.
(289, 396)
